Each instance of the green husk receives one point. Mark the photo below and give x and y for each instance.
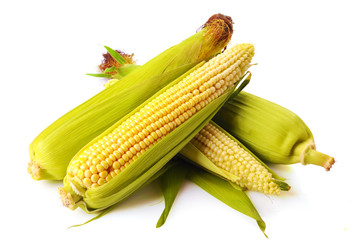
(273, 133)
(171, 182)
(225, 192)
(53, 148)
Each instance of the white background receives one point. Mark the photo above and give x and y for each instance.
(308, 56)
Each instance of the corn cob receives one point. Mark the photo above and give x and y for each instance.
(152, 134)
(52, 149)
(231, 156)
(270, 131)
(241, 167)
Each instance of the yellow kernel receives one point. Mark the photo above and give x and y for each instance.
(80, 173)
(100, 168)
(83, 166)
(125, 157)
(103, 174)
(88, 173)
(137, 147)
(95, 161)
(109, 161)
(95, 185)
(87, 182)
(116, 165)
(113, 174)
(154, 135)
(108, 178)
(131, 141)
(100, 157)
(95, 178)
(104, 164)
(121, 161)
(117, 171)
(93, 169)
(117, 154)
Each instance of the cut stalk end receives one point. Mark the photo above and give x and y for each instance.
(67, 198)
(317, 158)
(34, 170)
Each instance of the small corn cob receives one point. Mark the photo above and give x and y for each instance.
(131, 142)
(273, 133)
(230, 156)
(52, 150)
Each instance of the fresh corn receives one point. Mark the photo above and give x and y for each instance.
(270, 131)
(231, 156)
(160, 127)
(52, 150)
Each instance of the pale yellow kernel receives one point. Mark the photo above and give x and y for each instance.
(87, 182)
(87, 173)
(94, 185)
(80, 173)
(83, 166)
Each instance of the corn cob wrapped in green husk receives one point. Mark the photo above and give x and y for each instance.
(53, 148)
(273, 133)
(119, 161)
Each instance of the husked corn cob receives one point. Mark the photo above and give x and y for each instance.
(102, 168)
(227, 154)
(52, 150)
(109, 156)
(273, 133)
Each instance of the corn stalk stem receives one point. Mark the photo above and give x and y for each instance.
(317, 158)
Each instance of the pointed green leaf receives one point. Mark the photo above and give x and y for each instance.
(111, 69)
(225, 192)
(115, 55)
(171, 182)
(102, 75)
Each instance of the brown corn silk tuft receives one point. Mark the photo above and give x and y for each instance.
(109, 61)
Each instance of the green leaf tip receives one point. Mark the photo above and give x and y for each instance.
(115, 55)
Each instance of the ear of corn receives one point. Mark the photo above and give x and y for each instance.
(270, 131)
(241, 167)
(52, 149)
(222, 154)
(142, 142)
